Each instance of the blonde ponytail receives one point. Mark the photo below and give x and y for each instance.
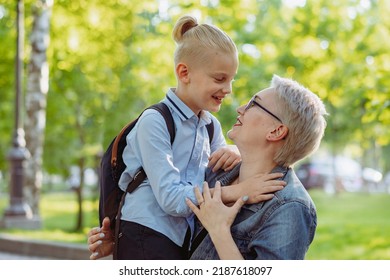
(195, 41)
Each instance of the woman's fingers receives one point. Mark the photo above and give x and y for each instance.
(93, 238)
(192, 206)
(271, 176)
(206, 191)
(239, 203)
(93, 231)
(198, 195)
(217, 191)
(93, 246)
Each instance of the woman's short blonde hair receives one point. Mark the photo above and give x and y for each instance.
(194, 41)
(304, 114)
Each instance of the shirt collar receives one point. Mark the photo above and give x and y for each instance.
(183, 110)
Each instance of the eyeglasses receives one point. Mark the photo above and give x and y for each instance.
(253, 102)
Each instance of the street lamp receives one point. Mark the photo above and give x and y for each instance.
(19, 213)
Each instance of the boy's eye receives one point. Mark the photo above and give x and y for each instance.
(220, 79)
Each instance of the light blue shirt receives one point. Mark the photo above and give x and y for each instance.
(172, 170)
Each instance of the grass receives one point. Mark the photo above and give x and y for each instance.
(58, 214)
(351, 226)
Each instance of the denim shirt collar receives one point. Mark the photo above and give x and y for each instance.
(257, 206)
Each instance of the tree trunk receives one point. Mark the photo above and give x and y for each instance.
(79, 193)
(36, 98)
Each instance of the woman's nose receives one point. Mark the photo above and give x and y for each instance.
(241, 109)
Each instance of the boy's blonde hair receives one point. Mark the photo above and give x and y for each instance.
(195, 40)
(304, 114)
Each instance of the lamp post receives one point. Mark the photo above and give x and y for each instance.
(18, 214)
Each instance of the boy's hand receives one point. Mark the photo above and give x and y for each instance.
(226, 158)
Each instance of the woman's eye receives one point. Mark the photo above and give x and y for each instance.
(219, 79)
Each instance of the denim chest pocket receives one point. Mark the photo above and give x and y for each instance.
(242, 241)
(245, 227)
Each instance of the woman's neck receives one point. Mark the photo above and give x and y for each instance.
(255, 166)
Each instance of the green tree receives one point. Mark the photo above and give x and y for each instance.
(110, 59)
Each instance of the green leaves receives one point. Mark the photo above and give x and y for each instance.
(109, 59)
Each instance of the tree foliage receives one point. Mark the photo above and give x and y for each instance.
(109, 59)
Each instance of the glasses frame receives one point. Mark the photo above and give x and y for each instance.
(253, 102)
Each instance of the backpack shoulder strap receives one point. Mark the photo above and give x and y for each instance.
(166, 113)
(161, 107)
(210, 131)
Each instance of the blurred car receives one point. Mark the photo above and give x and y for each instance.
(371, 175)
(373, 180)
(331, 174)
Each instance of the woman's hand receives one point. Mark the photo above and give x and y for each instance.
(214, 215)
(226, 158)
(217, 218)
(101, 241)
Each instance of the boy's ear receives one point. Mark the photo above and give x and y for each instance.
(182, 72)
(278, 133)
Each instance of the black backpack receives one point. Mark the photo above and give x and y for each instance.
(112, 166)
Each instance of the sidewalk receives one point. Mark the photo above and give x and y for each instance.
(9, 256)
(12, 248)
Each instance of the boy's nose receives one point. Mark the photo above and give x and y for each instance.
(227, 89)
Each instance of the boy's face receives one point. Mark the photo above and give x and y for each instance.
(210, 82)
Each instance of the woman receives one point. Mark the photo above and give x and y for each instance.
(278, 127)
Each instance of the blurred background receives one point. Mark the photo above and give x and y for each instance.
(74, 72)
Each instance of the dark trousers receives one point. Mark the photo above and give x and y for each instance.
(137, 242)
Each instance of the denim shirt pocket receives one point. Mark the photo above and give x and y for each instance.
(242, 242)
(243, 229)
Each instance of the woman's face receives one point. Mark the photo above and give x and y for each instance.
(256, 119)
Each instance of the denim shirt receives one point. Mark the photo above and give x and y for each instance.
(172, 170)
(278, 229)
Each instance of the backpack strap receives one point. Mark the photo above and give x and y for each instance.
(210, 131)
(202, 234)
(197, 240)
(166, 113)
(140, 175)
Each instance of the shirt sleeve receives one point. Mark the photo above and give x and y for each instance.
(155, 153)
